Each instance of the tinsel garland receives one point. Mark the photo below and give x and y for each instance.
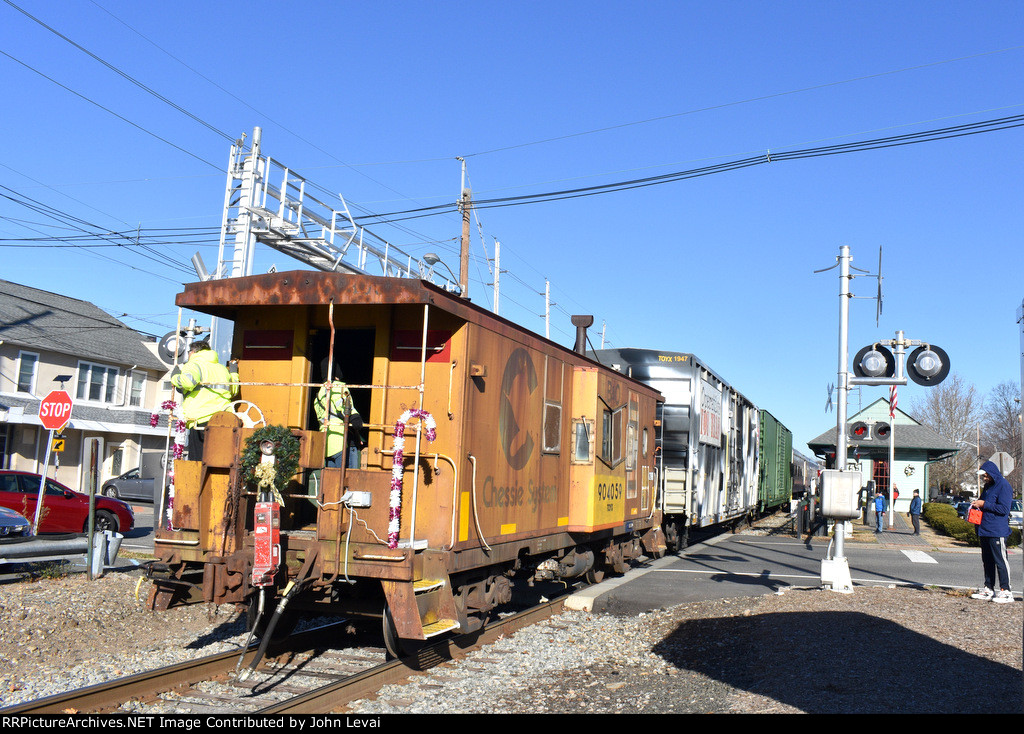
(177, 451)
(395, 512)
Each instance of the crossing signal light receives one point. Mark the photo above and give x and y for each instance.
(874, 360)
(859, 431)
(928, 365)
(882, 431)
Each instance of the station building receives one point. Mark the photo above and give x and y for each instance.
(869, 431)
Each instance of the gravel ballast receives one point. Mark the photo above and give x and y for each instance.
(878, 650)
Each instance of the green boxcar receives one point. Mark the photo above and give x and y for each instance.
(775, 482)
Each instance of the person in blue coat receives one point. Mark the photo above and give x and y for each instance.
(915, 512)
(879, 511)
(994, 503)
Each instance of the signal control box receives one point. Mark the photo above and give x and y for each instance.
(266, 543)
(839, 491)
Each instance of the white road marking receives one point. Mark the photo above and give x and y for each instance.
(917, 556)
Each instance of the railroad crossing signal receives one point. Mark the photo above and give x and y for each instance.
(55, 410)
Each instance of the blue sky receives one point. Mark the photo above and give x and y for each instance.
(377, 100)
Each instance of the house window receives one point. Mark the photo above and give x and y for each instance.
(96, 382)
(27, 371)
(138, 388)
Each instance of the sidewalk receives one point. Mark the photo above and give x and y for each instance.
(901, 534)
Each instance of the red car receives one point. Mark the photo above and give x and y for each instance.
(64, 510)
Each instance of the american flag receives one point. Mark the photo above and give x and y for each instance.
(892, 401)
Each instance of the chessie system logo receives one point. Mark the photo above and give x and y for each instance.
(519, 374)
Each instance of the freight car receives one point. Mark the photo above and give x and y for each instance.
(488, 453)
(722, 459)
(775, 459)
(805, 474)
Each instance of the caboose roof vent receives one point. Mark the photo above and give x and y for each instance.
(581, 323)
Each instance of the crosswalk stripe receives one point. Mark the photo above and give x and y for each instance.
(917, 556)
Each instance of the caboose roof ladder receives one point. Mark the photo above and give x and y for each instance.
(268, 203)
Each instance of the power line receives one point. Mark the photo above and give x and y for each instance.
(124, 75)
(749, 100)
(946, 133)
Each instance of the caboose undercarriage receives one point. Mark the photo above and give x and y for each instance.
(328, 567)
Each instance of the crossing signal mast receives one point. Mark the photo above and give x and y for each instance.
(873, 365)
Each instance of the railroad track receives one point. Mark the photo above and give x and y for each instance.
(301, 676)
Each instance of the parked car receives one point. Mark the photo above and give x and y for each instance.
(962, 508)
(130, 486)
(1016, 514)
(64, 510)
(13, 524)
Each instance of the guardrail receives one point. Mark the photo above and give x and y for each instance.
(63, 547)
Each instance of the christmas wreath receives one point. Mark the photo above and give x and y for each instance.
(274, 477)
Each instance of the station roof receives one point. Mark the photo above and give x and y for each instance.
(908, 432)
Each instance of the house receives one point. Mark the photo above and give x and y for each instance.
(868, 434)
(112, 373)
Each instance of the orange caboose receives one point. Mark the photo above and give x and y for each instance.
(486, 452)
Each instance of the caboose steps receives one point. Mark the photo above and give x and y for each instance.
(425, 585)
(439, 627)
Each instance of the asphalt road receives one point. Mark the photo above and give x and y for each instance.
(748, 565)
(140, 538)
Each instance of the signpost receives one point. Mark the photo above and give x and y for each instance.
(54, 414)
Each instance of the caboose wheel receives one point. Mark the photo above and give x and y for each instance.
(396, 646)
(672, 537)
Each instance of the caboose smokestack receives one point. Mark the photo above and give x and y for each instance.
(581, 323)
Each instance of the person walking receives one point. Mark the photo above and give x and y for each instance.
(208, 387)
(994, 503)
(879, 511)
(915, 512)
(333, 404)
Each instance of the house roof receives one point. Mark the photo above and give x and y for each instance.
(46, 321)
(908, 432)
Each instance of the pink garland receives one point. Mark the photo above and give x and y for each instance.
(394, 514)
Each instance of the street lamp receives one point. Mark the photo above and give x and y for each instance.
(432, 259)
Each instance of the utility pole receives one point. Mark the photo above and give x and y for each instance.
(547, 308)
(497, 272)
(465, 204)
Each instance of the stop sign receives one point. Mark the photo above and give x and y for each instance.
(55, 410)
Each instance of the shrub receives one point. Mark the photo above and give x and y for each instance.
(943, 519)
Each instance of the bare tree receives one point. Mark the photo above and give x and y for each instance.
(953, 410)
(1002, 427)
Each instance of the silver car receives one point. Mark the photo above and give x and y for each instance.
(130, 486)
(1016, 514)
(13, 524)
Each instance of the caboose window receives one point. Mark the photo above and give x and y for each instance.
(582, 440)
(611, 436)
(552, 428)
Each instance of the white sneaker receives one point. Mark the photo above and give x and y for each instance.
(1003, 597)
(985, 594)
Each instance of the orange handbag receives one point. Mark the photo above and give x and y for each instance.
(974, 516)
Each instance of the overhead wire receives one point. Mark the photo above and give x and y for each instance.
(985, 126)
(395, 219)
